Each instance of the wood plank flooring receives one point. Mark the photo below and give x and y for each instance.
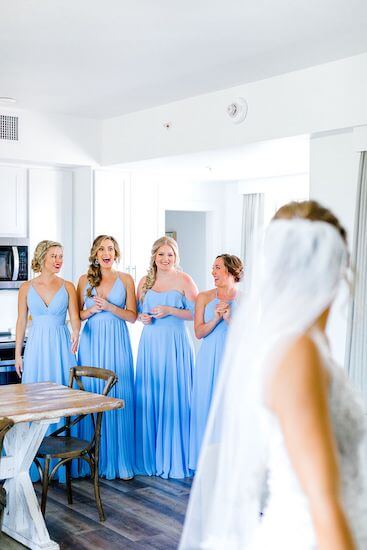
(141, 514)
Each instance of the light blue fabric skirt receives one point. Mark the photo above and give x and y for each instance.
(206, 372)
(163, 392)
(105, 343)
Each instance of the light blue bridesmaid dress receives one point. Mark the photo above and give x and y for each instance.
(163, 390)
(47, 355)
(205, 377)
(105, 343)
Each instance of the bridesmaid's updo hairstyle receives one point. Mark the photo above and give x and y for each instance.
(233, 265)
(94, 273)
(40, 252)
(310, 210)
(152, 271)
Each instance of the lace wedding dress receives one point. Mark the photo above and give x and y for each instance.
(297, 271)
(286, 523)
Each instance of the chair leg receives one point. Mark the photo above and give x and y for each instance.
(2, 504)
(68, 482)
(97, 494)
(45, 482)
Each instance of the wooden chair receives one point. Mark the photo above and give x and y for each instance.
(5, 425)
(66, 448)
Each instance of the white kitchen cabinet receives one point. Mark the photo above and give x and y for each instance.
(13, 201)
(127, 208)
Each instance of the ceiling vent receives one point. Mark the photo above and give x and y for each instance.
(9, 127)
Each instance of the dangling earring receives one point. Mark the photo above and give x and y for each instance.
(96, 263)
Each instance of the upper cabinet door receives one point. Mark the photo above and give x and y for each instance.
(13, 202)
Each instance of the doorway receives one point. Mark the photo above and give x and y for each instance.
(190, 231)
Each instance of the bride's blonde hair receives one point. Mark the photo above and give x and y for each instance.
(94, 273)
(152, 271)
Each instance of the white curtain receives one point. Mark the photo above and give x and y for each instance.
(252, 220)
(356, 345)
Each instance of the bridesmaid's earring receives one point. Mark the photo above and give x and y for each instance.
(96, 263)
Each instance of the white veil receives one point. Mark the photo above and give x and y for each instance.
(297, 270)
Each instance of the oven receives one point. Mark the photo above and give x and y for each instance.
(14, 262)
(8, 374)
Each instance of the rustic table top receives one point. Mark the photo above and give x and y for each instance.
(46, 400)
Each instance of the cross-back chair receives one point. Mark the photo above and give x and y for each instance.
(66, 448)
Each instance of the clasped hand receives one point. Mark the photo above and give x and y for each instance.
(161, 311)
(158, 312)
(100, 304)
(223, 310)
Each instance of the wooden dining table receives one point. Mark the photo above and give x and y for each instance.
(33, 407)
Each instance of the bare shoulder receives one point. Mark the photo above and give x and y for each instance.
(188, 286)
(141, 283)
(186, 282)
(142, 280)
(206, 296)
(69, 286)
(303, 351)
(301, 368)
(83, 280)
(126, 278)
(184, 277)
(24, 287)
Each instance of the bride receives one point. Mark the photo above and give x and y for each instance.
(286, 430)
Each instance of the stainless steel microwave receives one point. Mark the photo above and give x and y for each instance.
(14, 262)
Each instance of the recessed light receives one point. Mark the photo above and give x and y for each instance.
(7, 100)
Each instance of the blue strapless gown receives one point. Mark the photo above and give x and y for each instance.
(163, 391)
(206, 372)
(105, 343)
(47, 355)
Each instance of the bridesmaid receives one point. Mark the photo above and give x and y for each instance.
(164, 366)
(50, 349)
(106, 301)
(212, 315)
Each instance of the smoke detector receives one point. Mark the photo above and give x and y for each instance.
(237, 110)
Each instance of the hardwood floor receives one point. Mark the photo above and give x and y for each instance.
(141, 514)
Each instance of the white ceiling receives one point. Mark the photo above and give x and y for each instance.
(102, 58)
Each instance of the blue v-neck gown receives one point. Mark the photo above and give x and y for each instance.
(105, 343)
(207, 369)
(163, 390)
(47, 355)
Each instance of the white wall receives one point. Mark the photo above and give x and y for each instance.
(46, 138)
(50, 211)
(333, 181)
(320, 98)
